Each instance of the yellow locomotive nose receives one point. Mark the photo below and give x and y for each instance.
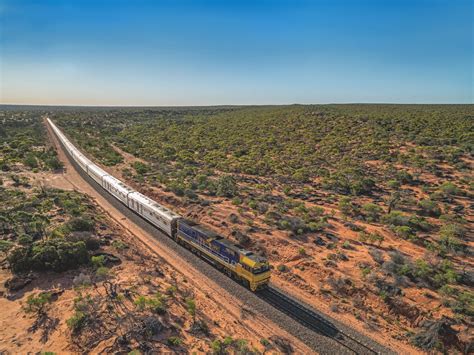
(254, 270)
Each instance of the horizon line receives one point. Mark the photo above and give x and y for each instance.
(237, 105)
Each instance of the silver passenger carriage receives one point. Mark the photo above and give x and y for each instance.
(160, 216)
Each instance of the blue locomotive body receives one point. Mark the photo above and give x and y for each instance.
(210, 241)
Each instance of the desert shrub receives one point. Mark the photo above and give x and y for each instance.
(317, 226)
(77, 321)
(404, 177)
(174, 341)
(445, 274)
(237, 201)
(98, 261)
(191, 306)
(242, 238)
(216, 346)
(341, 285)
(233, 218)
(24, 239)
(349, 180)
(396, 218)
(36, 303)
(377, 255)
(262, 207)
(82, 280)
(396, 263)
(252, 204)
(53, 163)
(156, 303)
(371, 212)
(31, 161)
(429, 208)
(119, 245)
(372, 238)
(419, 223)
(394, 184)
(423, 269)
(404, 232)
(226, 186)
(53, 254)
(346, 206)
(435, 335)
(177, 188)
(464, 304)
(450, 237)
(449, 189)
(91, 242)
(6, 245)
(140, 167)
(301, 175)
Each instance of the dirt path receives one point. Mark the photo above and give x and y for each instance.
(229, 304)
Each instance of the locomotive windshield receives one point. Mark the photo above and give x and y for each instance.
(261, 269)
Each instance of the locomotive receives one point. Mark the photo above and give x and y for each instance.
(243, 265)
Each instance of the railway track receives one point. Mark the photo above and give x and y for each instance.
(313, 321)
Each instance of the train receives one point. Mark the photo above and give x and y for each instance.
(242, 265)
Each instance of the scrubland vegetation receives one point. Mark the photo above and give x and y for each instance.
(367, 203)
(77, 276)
(22, 143)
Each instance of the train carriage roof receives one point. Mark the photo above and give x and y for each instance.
(119, 185)
(153, 205)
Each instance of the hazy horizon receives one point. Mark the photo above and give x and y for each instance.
(220, 53)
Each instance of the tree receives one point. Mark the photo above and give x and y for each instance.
(226, 186)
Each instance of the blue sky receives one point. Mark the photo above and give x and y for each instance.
(177, 52)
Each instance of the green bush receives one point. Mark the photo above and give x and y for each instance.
(371, 212)
(429, 208)
(191, 305)
(396, 218)
(140, 167)
(81, 224)
(464, 304)
(404, 232)
(5, 245)
(174, 341)
(156, 303)
(226, 186)
(36, 303)
(346, 206)
(449, 189)
(98, 261)
(54, 254)
(77, 321)
(450, 237)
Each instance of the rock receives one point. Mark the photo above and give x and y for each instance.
(16, 283)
